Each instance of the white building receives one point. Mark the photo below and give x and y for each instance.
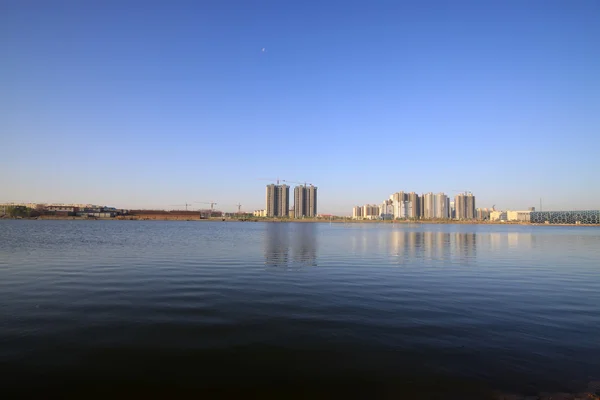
(386, 211)
(520, 216)
(498, 216)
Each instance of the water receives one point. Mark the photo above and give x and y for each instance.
(283, 306)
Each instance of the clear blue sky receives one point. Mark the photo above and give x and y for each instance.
(148, 104)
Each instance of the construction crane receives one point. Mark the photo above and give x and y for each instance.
(270, 179)
(300, 183)
(180, 205)
(212, 204)
(239, 206)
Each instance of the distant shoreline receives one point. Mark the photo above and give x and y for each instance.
(290, 220)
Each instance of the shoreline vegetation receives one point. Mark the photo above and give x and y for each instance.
(336, 220)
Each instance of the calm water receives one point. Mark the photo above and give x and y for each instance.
(196, 303)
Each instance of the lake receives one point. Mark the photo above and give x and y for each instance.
(292, 307)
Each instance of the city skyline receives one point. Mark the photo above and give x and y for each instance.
(429, 206)
(176, 102)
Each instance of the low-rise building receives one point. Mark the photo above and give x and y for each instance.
(498, 216)
(518, 216)
(62, 208)
(260, 213)
(591, 217)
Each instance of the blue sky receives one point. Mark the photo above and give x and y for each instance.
(149, 104)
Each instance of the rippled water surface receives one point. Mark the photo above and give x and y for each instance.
(194, 303)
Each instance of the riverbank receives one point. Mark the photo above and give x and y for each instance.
(289, 220)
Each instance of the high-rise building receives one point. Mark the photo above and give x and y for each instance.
(299, 201)
(406, 205)
(428, 205)
(441, 206)
(305, 201)
(312, 201)
(278, 200)
(397, 200)
(370, 211)
(415, 205)
(271, 200)
(284, 200)
(465, 206)
(357, 212)
(386, 211)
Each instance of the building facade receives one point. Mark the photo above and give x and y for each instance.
(591, 217)
(482, 214)
(370, 211)
(386, 211)
(497, 216)
(465, 206)
(415, 209)
(305, 201)
(260, 213)
(518, 216)
(277, 200)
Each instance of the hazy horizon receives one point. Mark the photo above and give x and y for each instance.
(173, 102)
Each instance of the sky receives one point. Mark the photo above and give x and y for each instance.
(153, 104)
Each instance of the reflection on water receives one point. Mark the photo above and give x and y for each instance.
(291, 245)
(205, 303)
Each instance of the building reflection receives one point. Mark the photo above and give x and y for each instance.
(304, 244)
(277, 244)
(409, 246)
(291, 245)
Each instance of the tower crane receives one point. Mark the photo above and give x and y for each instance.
(181, 205)
(239, 206)
(212, 207)
(212, 204)
(270, 179)
(278, 180)
(300, 183)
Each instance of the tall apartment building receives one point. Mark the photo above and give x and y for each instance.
(357, 212)
(415, 205)
(436, 206)
(305, 201)
(428, 205)
(387, 209)
(278, 200)
(398, 200)
(465, 206)
(406, 205)
(370, 211)
(442, 206)
(312, 201)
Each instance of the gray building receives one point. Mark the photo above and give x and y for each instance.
(465, 206)
(278, 200)
(305, 201)
(415, 201)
